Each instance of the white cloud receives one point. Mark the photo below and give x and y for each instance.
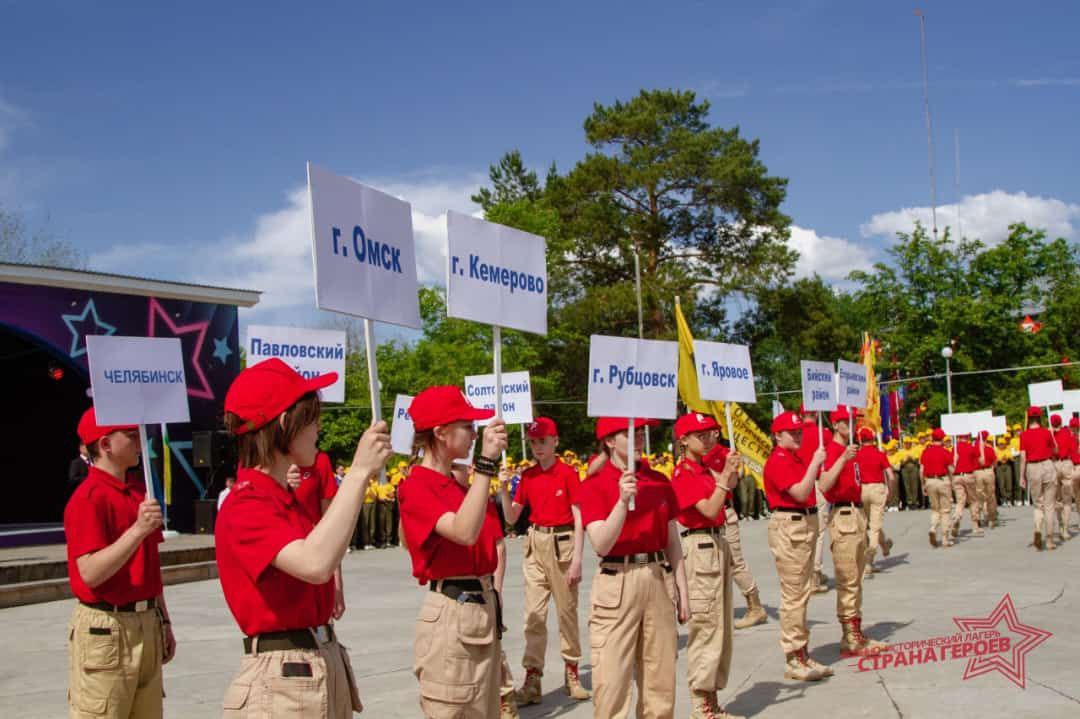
(830, 257)
(985, 217)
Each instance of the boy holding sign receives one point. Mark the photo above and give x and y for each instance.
(1039, 475)
(119, 634)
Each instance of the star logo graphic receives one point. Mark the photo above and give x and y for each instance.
(1024, 639)
(221, 349)
(200, 388)
(78, 341)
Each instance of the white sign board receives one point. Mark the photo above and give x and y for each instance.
(516, 395)
(364, 252)
(851, 384)
(495, 274)
(401, 428)
(724, 372)
(818, 386)
(632, 378)
(1071, 401)
(980, 421)
(309, 352)
(998, 426)
(956, 424)
(137, 380)
(1044, 394)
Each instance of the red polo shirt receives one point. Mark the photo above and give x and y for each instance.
(809, 441)
(784, 469)
(989, 455)
(935, 461)
(967, 457)
(549, 493)
(846, 487)
(101, 509)
(260, 518)
(693, 483)
(1065, 442)
(646, 528)
(1037, 443)
(424, 497)
(872, 464)
(317, 483)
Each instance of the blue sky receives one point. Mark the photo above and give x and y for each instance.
(172, 144)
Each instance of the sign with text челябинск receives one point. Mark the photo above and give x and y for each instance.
(137, 380)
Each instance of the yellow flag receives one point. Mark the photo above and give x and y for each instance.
(872, 413)
(752, 443)
(166, 471)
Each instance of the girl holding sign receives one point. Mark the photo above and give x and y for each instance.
(276, 568)
(452, 534)
(701, 482)
(641, 582)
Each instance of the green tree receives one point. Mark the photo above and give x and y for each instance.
(35, 246)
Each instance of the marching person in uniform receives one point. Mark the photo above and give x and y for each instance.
(1074, 427)
(552, 562)
(276, 565)
(840, 482)
(452, 536)
(986, 509)
(1003, 472)
(119, 634)
(875, 476)
(935, 467)
(641, 582)
(1063, 439)
(967, 460)
(701, 482)
(1039, 476)
(806, 451)
(793, 528)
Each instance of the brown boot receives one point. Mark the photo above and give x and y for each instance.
(796, 667)
(933, 539)
(755, 613)
(508, 707)
(886, 547)
(873, 646)
(572, 683)
(705, 706)
(530, 692)
(1038, 541)
(821, 583)
(820, 668)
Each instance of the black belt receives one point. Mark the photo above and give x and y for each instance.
(796, 510)
(713, 531)
(856, 505)
(554, 530)
(288, 639)
(936, 476)
(468, 591)
(139, 606)
(642, 558)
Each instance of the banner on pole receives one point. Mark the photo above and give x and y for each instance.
(1071, 401)
(496, 275)
(363, 249)
(309, 352)
(516, 395)
(137, 380)
(956, 424)
(818, 385)
(998, 426)
(632, 378)
(1045, 394)
(724, 371)
(852, 384)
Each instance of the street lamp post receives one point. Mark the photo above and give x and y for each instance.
(946, 352)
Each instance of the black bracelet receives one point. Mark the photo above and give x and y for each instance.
(483, 465)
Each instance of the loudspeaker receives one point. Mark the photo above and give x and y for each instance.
(205, 514)
(202, 449)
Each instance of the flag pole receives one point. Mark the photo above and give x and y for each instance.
(630, 458)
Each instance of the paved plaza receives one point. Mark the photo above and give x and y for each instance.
(916, 597)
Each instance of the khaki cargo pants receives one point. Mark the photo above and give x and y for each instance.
(985, 494)
(873, 511)
(1042, 487)
(940, 493)
(294, 683)
(632, 635)
(547, 559)
(823, 524)
(740, 570)
(710, 634)
(457, 656)
(114, 664)
(964, 489)
(1064, 503)
(847, 542)
(792, 538)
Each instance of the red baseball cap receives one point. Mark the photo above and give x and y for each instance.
(1074, 422)
(263, 391)
(542, 427)
(693, 422)
(786, 422)
(839, 415)
(1055, 419)
(1034, 412)
(606, 426)
(90, 431)
(984, 434)
(938, 434)
(441, 405)
(865, 433)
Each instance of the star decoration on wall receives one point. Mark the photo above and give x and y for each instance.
(1023, 638)
(198, 386)
(221, 349)
(78, 337)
